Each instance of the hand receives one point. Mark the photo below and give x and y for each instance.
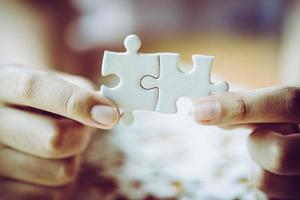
(13, 189)
(44, 123)
(274, 115)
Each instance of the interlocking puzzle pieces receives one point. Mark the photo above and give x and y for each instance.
(153, 81)
(172, 83)
(130, 67)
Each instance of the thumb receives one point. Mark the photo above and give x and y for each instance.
(274, 104)
(48, 92)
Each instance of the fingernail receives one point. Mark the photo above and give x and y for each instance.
(104, 114)
(207, 110)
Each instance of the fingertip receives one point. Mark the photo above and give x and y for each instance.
(106, 115)
(206, 110)
(107, 112)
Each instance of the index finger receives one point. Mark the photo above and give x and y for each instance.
(46, 91)
(267, 105)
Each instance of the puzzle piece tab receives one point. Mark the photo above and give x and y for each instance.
(130, 67)
(173, 83)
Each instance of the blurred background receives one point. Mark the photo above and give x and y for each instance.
(248, 38)
(256, 44)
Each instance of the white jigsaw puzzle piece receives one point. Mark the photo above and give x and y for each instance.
(130, 67)
(173, 83)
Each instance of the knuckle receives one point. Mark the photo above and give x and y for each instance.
(77, 102)
(54, 140)
(278, 157)
(71, 102)
(276, 164)
(291, 104)
(287, 161)
(242, 109)
(274, 152)
(66, 171)
(28, 84)
(67, 139)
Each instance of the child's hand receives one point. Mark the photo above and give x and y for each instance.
(43, 120)
(274, 114)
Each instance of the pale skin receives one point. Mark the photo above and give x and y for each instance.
(49, 117)
(273, 114)
(46, 117)
(40, 147)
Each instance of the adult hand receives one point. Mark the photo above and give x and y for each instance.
(44, 124)
(274, 115)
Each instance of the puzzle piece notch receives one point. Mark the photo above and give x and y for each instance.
(130, 67)
(173, 83)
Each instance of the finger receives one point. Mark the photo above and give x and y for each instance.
(49, 172)
(42, 135)
(277, 186)
(12, 189)
(45, 91)
(283, 128)
(276, 104)
(251, 126)
(259, 195)
(77, 80)
(276, 152)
